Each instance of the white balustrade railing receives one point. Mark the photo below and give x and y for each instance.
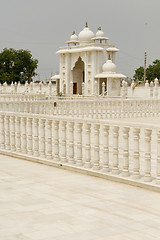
(118, 149)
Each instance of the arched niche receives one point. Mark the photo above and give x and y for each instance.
(78, 76)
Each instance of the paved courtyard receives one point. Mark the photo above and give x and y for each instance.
(38, 202)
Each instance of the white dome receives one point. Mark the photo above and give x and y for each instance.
(85, 35)
(109, 67)
(73, 37)
(99, 33)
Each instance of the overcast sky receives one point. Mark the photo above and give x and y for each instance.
(42, 26)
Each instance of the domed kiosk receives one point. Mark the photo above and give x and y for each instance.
(88, 57)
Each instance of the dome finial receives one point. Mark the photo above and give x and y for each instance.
(99, 28)
(86, 25)
(73, 32)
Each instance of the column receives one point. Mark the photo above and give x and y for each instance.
(42, 137)
(96, 165)
(125, 171)
(71, 143)
(79, 145)
(2, 133)
(136, 162)
(29, 136)
(158, 158)
(7, 132)
(56, 140)
(115, 169)
(105, 148)
(12, 132)
(87, 146)
(23, 135)
(49, 139)
(35, 137)
(18, 135)
(147, 170)
(63, 142)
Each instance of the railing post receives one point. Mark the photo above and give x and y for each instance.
(87, 146)
(56, 140)
(42, 137)
(23, 135)
(29, 136)
(106, 148)
(35, 137)
(7, 133)
(115, 169)
(12, 132)
(2, 132)
(158, 158)
(125, 171)
(96, 165)
(147, 177)
(63, 142)
(79, 145)
(136, 163)
(49, 139)
(71, 143)
(18, 135)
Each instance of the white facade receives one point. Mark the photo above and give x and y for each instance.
(83, 61)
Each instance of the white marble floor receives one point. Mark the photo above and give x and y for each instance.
(38, 202)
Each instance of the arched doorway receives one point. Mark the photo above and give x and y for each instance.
(78, 76)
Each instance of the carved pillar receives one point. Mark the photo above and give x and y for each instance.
(147, 170)
(87, 146)
(63, 142)
(49, 139)
(42, 137)
(18, 135)
(125, 171)
(105, 148)
(103, 89)
(7, 132)
(79, 145)
(23, 135)
(96, 165)
(29, 136)
(136, 163)
(35, 137)
(12, 132)
(71, 143)
(115, 169)
(158, 158)
(2, 133)
(56, 140)
(71, 88)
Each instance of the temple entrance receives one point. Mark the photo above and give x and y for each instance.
(78, 76)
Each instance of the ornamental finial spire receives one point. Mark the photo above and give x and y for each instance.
(99, 28)
(73, 32)
(86, 24)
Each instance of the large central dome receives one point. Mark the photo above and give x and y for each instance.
(86, 35)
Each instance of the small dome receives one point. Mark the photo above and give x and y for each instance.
(85, 35)
(109, 67)
(99, 33)
(73, 37)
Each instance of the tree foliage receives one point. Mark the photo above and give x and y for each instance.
(152, 72)
(17, 65)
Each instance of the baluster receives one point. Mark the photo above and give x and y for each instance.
(115, 169)
(42, 137)
(12, 132)
(105, 148)
(23, 135)
(2, 132)
(63, 142)
(158, 158)
(87, 146)
(56, 140)
(18, 135)
(49, 139)
(7, 132)
(29, 136)
(79, 145)
(125, 171)
(147, 177)
(35, 137)
(136, 163)
(71, 143)
(96, 165)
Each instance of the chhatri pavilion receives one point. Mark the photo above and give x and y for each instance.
(86, 63)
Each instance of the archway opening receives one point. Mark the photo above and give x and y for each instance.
(78, 76)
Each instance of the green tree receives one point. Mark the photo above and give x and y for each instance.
(139, 74)
(17, 65)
